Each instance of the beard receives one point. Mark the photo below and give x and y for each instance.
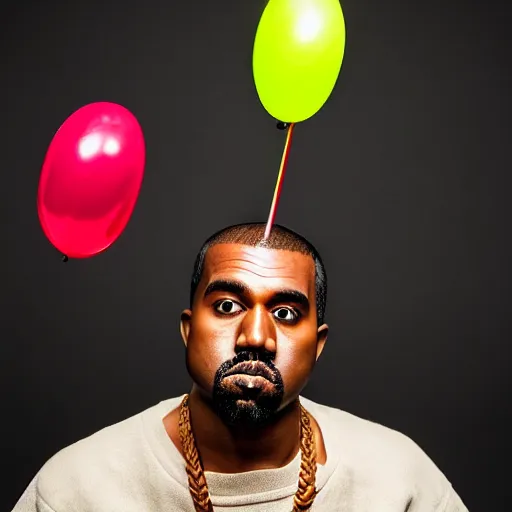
(249, 402)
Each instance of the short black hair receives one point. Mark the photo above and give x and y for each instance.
(280, 238)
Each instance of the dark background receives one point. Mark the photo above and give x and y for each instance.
(402, 181)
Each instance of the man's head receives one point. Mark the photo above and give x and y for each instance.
(254, 329)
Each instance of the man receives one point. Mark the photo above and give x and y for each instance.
(244, 439)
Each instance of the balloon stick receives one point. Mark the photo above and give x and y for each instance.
(279, 184)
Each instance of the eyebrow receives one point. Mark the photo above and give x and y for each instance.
(241, 289)
(293, 296)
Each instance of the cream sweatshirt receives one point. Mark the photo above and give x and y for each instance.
(133, 466)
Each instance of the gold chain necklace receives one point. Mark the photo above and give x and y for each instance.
(198, 487)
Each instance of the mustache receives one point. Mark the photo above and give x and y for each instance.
(250, 363)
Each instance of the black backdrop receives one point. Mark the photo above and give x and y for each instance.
(402, 181)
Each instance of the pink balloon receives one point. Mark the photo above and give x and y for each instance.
(91, 179)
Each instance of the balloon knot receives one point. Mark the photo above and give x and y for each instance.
(281, 125)
(65, 259)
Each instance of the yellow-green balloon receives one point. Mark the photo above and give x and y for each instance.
(297, 56)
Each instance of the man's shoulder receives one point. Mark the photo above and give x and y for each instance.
(372, 446)
(84, 454)
(383, 457)
(111, 452)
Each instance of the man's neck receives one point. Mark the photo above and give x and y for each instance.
(225, 449)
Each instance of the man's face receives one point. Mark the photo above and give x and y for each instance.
(252, 336)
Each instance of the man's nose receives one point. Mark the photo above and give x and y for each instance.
(257, 331)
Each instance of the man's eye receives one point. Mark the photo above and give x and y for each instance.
(286, 314)
(227, 307)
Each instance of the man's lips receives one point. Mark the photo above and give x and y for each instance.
(250, 386)
(253, 368)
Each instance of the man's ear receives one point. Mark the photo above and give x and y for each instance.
(185, 322)
(321, 338)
